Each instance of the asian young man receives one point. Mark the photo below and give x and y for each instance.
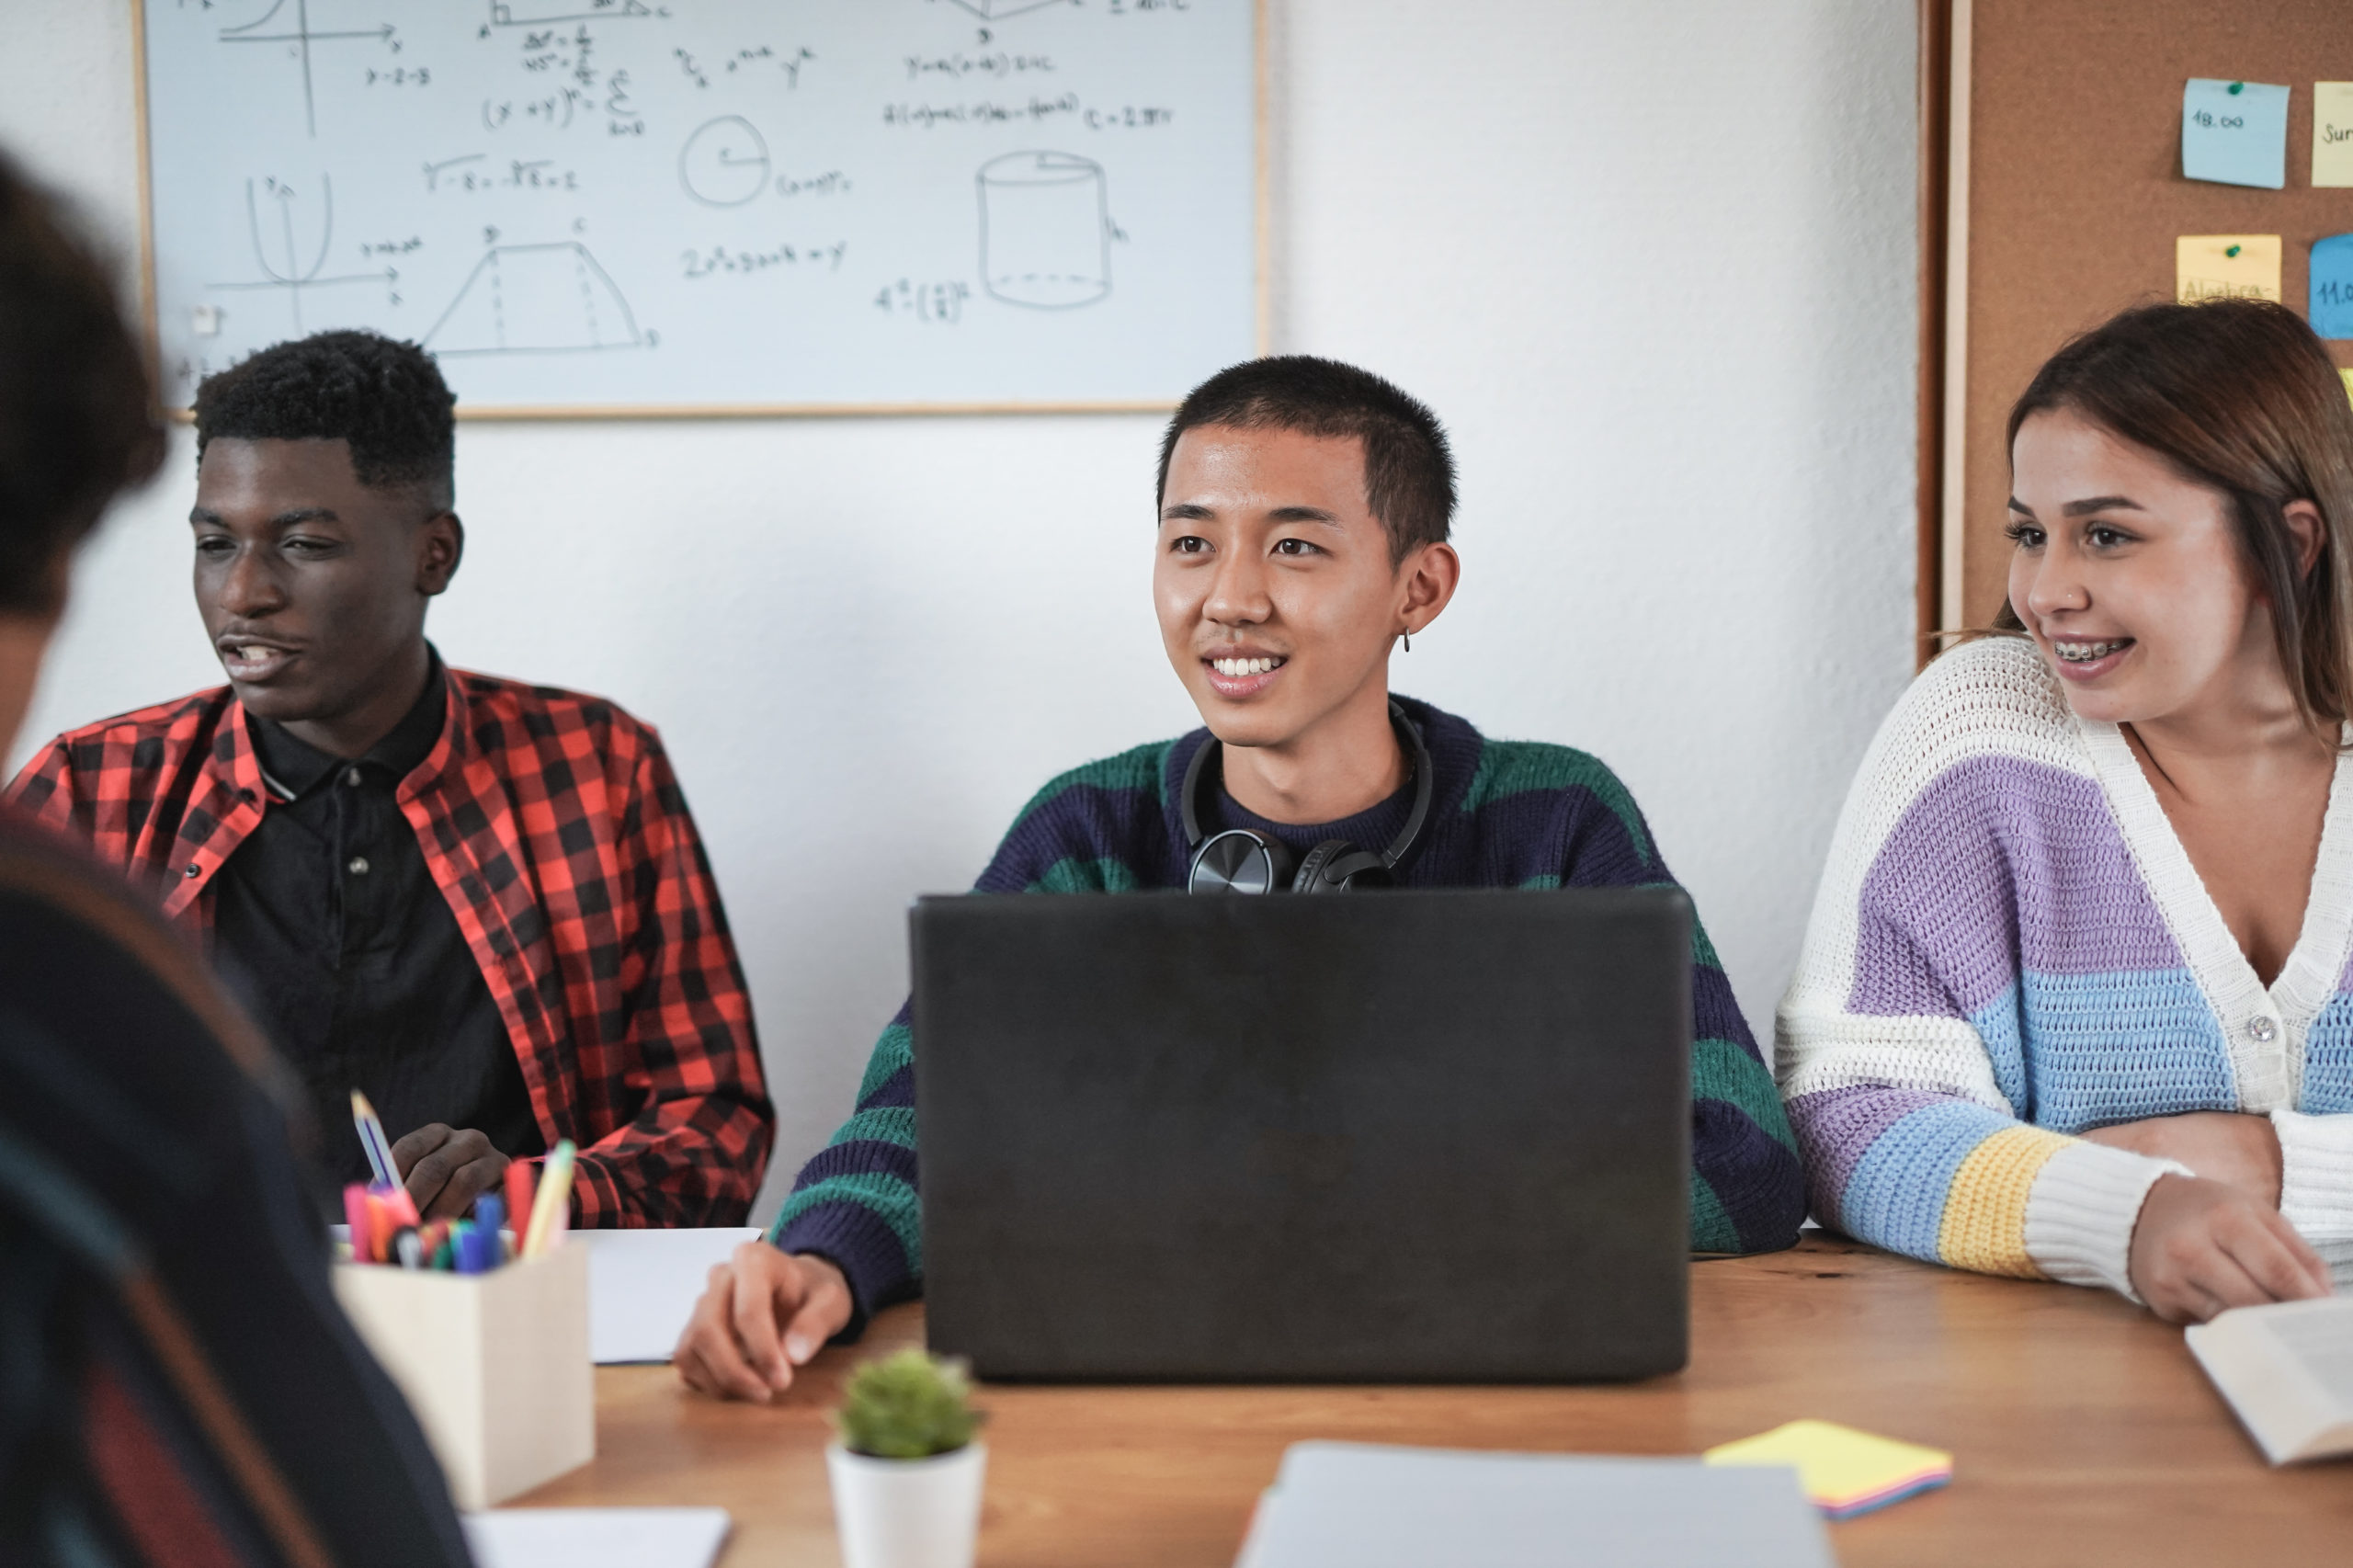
(481, 902)
(1303, 514)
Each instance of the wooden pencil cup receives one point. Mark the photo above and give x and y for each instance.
(495, 1365)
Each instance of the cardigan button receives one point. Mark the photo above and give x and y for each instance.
(2262, 1031)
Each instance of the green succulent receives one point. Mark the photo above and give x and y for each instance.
(910, 1405)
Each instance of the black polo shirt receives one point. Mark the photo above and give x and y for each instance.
(330, 924)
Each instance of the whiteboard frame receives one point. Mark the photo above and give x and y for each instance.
(1261, 292)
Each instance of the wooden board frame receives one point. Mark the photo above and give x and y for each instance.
(1262, 291)
(2055, 144)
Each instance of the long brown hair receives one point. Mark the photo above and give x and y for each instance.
(2238, 394)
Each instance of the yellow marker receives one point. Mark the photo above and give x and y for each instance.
(550, 1209)
(2226, 267)
(2332, 134)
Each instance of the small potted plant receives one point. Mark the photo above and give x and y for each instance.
(906, 1471)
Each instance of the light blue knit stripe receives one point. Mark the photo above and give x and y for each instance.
(1897, 1197)
(2329, 1060)
(2098, 1048)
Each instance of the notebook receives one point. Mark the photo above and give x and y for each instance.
(596, 1537)
(2287, 1371)
(1371, 1507)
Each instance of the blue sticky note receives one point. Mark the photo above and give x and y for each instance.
(2235, 132)
(2332, 310)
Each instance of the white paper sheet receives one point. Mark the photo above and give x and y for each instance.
(596, 1537)
(643, 1286)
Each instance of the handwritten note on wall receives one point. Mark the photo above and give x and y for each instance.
(2235, 132)
(2226, 267)
(2331, 312)
(2332, 134)
(674, 204)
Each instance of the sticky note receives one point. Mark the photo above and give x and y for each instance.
(2235, 132)
(1845, 1472)
(2225, 266)
(2332, 287)
(2348, 384)
(2332, 134)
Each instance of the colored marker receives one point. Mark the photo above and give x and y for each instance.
(372, 1139)
(355, 1216)
(552, 1202)
(519, 1200)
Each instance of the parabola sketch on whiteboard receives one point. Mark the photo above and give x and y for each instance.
(546, 299)
(299, 34)
(1045, 231)
(998, 10)
(294, 275)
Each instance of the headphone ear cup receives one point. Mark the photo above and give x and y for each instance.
(1316, 873)
(1239, 860)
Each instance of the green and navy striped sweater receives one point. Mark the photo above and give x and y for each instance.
(1504, 813)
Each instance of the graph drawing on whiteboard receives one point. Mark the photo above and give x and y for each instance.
(1045, 231)
(298, 33)
(285, 270)
(545, 298)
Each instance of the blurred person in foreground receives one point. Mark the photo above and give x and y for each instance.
(176, 1384)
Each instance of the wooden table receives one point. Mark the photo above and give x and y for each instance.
(2082, 1432)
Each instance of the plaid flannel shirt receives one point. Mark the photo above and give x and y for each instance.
(554, 825)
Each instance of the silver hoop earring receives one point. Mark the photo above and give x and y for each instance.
(1409, 641)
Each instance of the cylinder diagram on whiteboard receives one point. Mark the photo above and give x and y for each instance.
(1045, 230)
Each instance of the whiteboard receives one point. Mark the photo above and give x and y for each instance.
(714, 206)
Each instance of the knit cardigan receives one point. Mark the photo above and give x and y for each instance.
(2010, 947)
(1503, 813)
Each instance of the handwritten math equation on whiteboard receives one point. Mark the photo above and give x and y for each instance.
(615, 204)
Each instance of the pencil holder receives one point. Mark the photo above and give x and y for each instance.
(495, 1365)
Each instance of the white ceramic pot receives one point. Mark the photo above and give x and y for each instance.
(907, 1513)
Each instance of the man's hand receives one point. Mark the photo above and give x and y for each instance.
(2220, 1145)
(446, 1168)
(2204, 1246)
(763, 1313)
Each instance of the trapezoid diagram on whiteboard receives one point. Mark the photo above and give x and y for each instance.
(1001, 10)
(550, 298)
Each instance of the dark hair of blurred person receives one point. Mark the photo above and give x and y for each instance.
(176, 1384)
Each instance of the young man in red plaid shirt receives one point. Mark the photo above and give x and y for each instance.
(484, 904)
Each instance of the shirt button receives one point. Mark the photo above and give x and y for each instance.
(193, 872)
(2261, 1029)
(351, 776)
(358, 867)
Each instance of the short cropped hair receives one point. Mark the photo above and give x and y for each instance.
(78, 418)
(385, 397)
(1408, 469)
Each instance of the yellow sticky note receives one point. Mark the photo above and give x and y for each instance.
(2348, 383)
(2226, 267)
(1844, 1472)
(2332, 134)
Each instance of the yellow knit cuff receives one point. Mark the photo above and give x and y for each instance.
(1984, 1221)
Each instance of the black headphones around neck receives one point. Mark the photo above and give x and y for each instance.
(1242, 859)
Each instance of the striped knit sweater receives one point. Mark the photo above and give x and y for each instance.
(2011, 945)
(1503, 814)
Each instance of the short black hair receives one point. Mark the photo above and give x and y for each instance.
(1408, 469)
(78, 417)
(385, 397)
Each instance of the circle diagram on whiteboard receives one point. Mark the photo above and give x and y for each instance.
(1045, 231)
(724, 163)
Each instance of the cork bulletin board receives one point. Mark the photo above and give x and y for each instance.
(2063, 198)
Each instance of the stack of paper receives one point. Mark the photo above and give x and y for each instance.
(1845, 1472)
(1382, 1507)
(596, 1537)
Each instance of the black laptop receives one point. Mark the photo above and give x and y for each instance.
(1397, 1136)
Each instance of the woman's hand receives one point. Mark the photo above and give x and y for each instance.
(2201, 1247)
(763, 1314)
(2220, 1145)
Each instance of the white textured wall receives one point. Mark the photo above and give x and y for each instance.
(1654, 264)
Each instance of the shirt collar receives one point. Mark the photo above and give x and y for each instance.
(292, 769)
